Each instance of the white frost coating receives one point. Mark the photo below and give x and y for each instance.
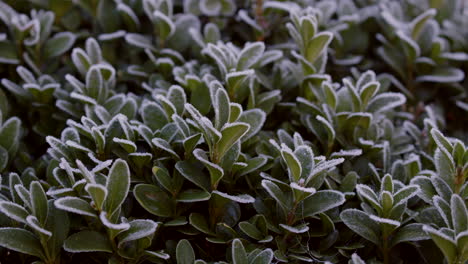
(107, 223)
(242, 14)
(73, 204)
(101, 166)
(78, 183)
(241, 164)
(141, 154)
(124, 141)
(34, 223)
(77, 84)
(198, 154)
(139, 41)
(295, 230)
(58, 192)
(303, 189)
(325, 166)
(381, 220)
(366, 142)
(462, 105)
(172, 53)
(83, 98)
(110, 36)
(23, 193)
(137, 71)
(26, 75)
(75, 145)
(240, 74)
(456, 75)
(64, 165)
(85, 172)
(161, 61)
(347, 153)
(242, 198)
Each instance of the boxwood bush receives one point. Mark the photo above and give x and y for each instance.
(233, 131)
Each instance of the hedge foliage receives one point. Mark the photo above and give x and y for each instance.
(233, 131)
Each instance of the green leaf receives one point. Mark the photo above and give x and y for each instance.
(265, 257)
(317, 45)
(87, 241)
(177, 97)
(194, 174)
(39, 202)
(138, 229)
(14, 211)
(229, 135)
(250, 55)
(165, 25)
(221, 105)
(58, 224)
(236, 84)
(410, 232)
(368, 91)
(239, 255)
(154, 199)
(250, 230)
(462, 243)
(385, 102)
(417, 25)
(59, 44)
(216, 172)
(294, 166)
(442, 75)
(75, 205)
(445, 166)
(117, 185)
(8, 53)
(459, 214)
(98, 193)
(242, 198)
(441, 140)
(446, 244)
(9, 135)
(322, 201)
(164, 145)
(21, 240)
(198, 221)
(184, 252)
(153, 115)
(275, 192)
(3, 158)
(360, 223)
(255, 118)
(192, 196)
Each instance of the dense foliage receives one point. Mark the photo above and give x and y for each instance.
(233, 131)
